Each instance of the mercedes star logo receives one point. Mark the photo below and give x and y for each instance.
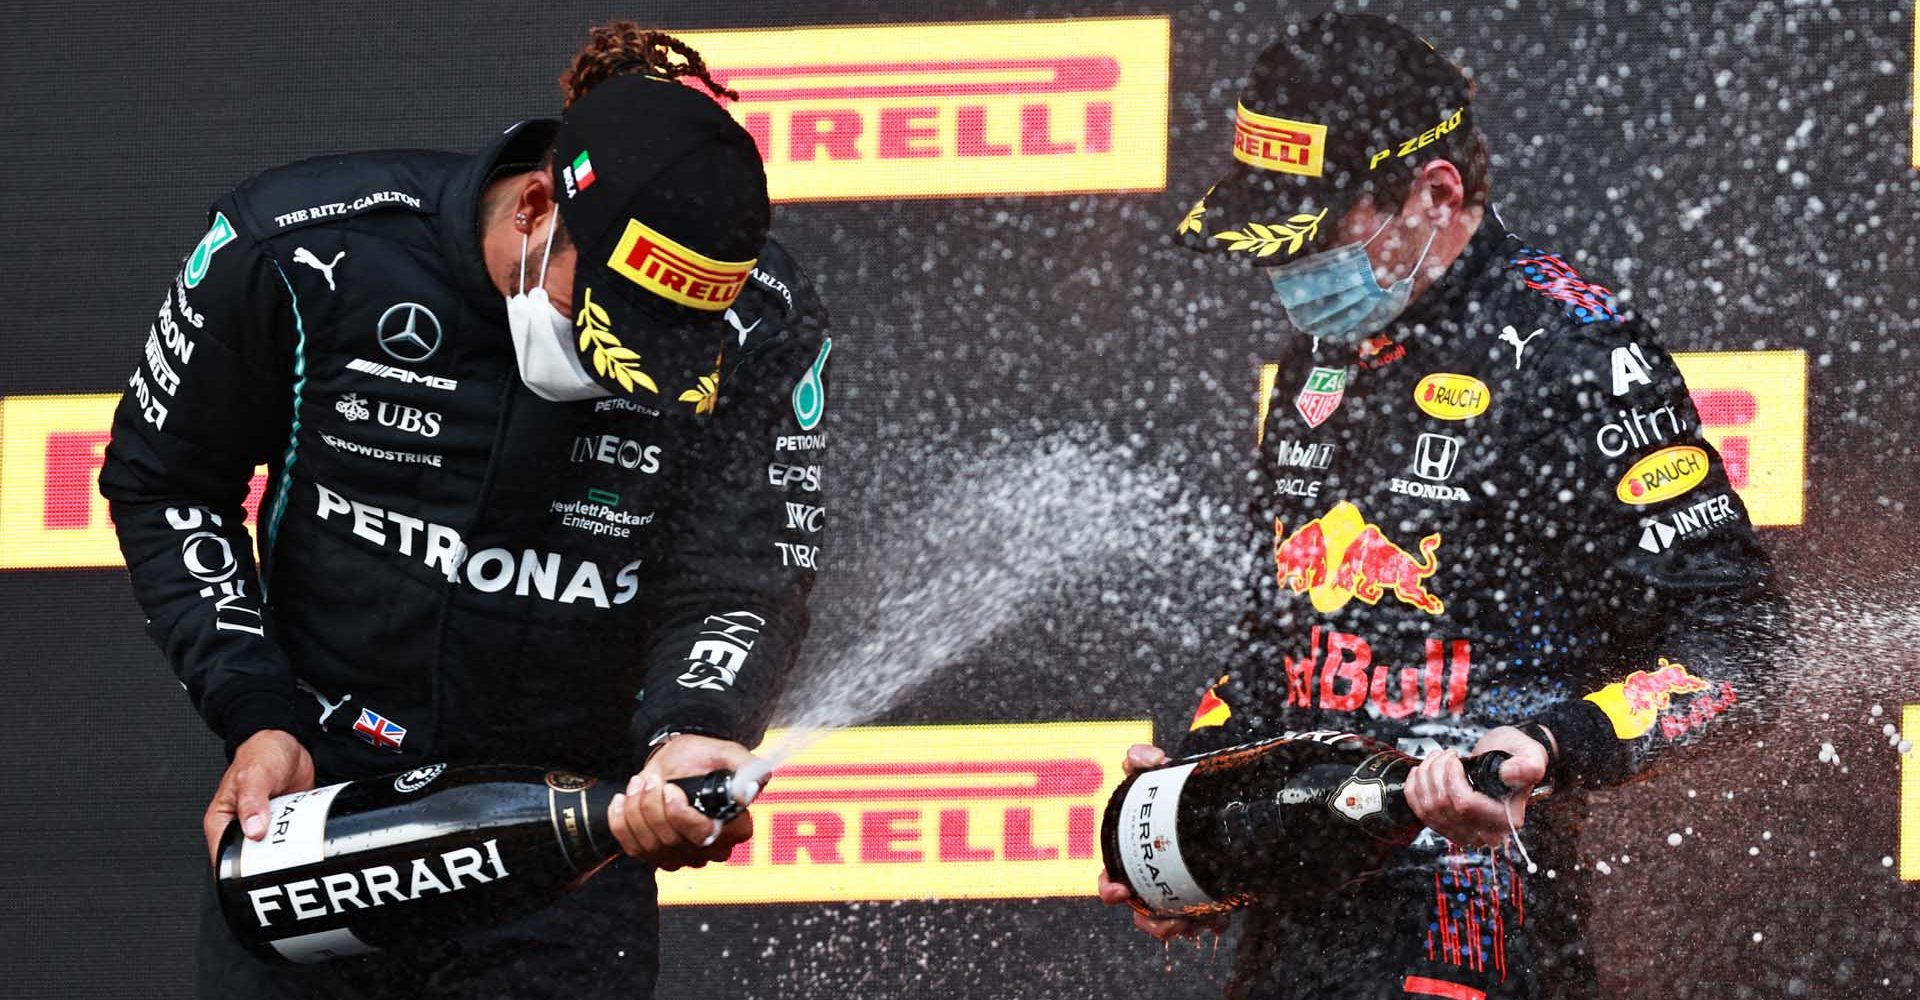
(403, 334)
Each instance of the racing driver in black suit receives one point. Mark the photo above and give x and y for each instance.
(1485, 519)
(542, 428)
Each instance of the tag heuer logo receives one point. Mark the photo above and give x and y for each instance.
(1321, 395)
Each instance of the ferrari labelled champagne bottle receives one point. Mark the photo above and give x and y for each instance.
(410, 859)
(380, 862)
(1302, 813)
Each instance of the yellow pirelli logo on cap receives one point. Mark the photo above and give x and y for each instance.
(1278, 144)
(673, 272)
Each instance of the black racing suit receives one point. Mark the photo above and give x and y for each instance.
(1499, 510)
(451, 568)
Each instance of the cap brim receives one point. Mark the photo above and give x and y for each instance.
(641, 345)
(1267, 218)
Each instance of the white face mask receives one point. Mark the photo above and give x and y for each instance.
(543, 339)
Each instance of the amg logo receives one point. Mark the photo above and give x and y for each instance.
(1303, 456)
(402, 375)
(378, 885)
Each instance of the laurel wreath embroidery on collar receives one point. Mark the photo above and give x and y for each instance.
(610, 357)
(707, 393)
(1191, 224)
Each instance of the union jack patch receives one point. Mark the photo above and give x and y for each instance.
(379, 730)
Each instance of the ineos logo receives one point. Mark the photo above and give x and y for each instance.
(404, 336)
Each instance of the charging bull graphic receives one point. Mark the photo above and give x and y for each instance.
(1340, 555)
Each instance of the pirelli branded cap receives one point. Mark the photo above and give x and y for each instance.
(665, 197)
(1337, 108)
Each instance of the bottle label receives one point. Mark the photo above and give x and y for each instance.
(1150, 845)
(322, 945)
(296, 832)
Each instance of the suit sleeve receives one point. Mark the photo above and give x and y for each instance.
(1694, 623)
(1245, 691)
(209, 400)
(743, 564)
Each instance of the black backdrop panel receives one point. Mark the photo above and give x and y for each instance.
(1742, 168)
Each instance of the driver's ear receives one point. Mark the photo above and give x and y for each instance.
(536, 200)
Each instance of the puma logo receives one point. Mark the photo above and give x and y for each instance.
(733, 320)
(327, 707)
(301, 255)
(1512, 336)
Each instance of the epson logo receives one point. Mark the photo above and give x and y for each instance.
(807, 477)
(313, 898)
(401, 375)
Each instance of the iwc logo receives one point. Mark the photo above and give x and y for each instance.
(418, 778)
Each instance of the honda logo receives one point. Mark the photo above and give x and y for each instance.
(1435, 456)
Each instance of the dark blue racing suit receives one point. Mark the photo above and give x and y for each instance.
(1499, 510)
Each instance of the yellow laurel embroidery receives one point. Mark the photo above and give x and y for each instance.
(610, 357)
(1266, 240)
(1191, 224)
(707, 393)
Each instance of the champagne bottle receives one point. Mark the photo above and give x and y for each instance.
(380, 862)
(1298, 814)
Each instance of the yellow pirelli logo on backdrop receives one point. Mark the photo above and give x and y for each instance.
(939, 110)
(1910, 796)
(1753, 410)
(926, 812)
(51, 512)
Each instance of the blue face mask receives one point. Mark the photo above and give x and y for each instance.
(1335, 296)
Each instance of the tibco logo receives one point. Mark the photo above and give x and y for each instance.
(803, 556)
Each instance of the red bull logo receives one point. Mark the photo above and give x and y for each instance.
(1344, 678)
(1339, 556)
(1634, 704)
(1213, 710)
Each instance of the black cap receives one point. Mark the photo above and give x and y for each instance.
(1338, 108)
(665, 197)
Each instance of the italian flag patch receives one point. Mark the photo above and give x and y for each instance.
(582, 171)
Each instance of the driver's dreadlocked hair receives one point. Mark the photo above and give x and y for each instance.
(623, 47)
